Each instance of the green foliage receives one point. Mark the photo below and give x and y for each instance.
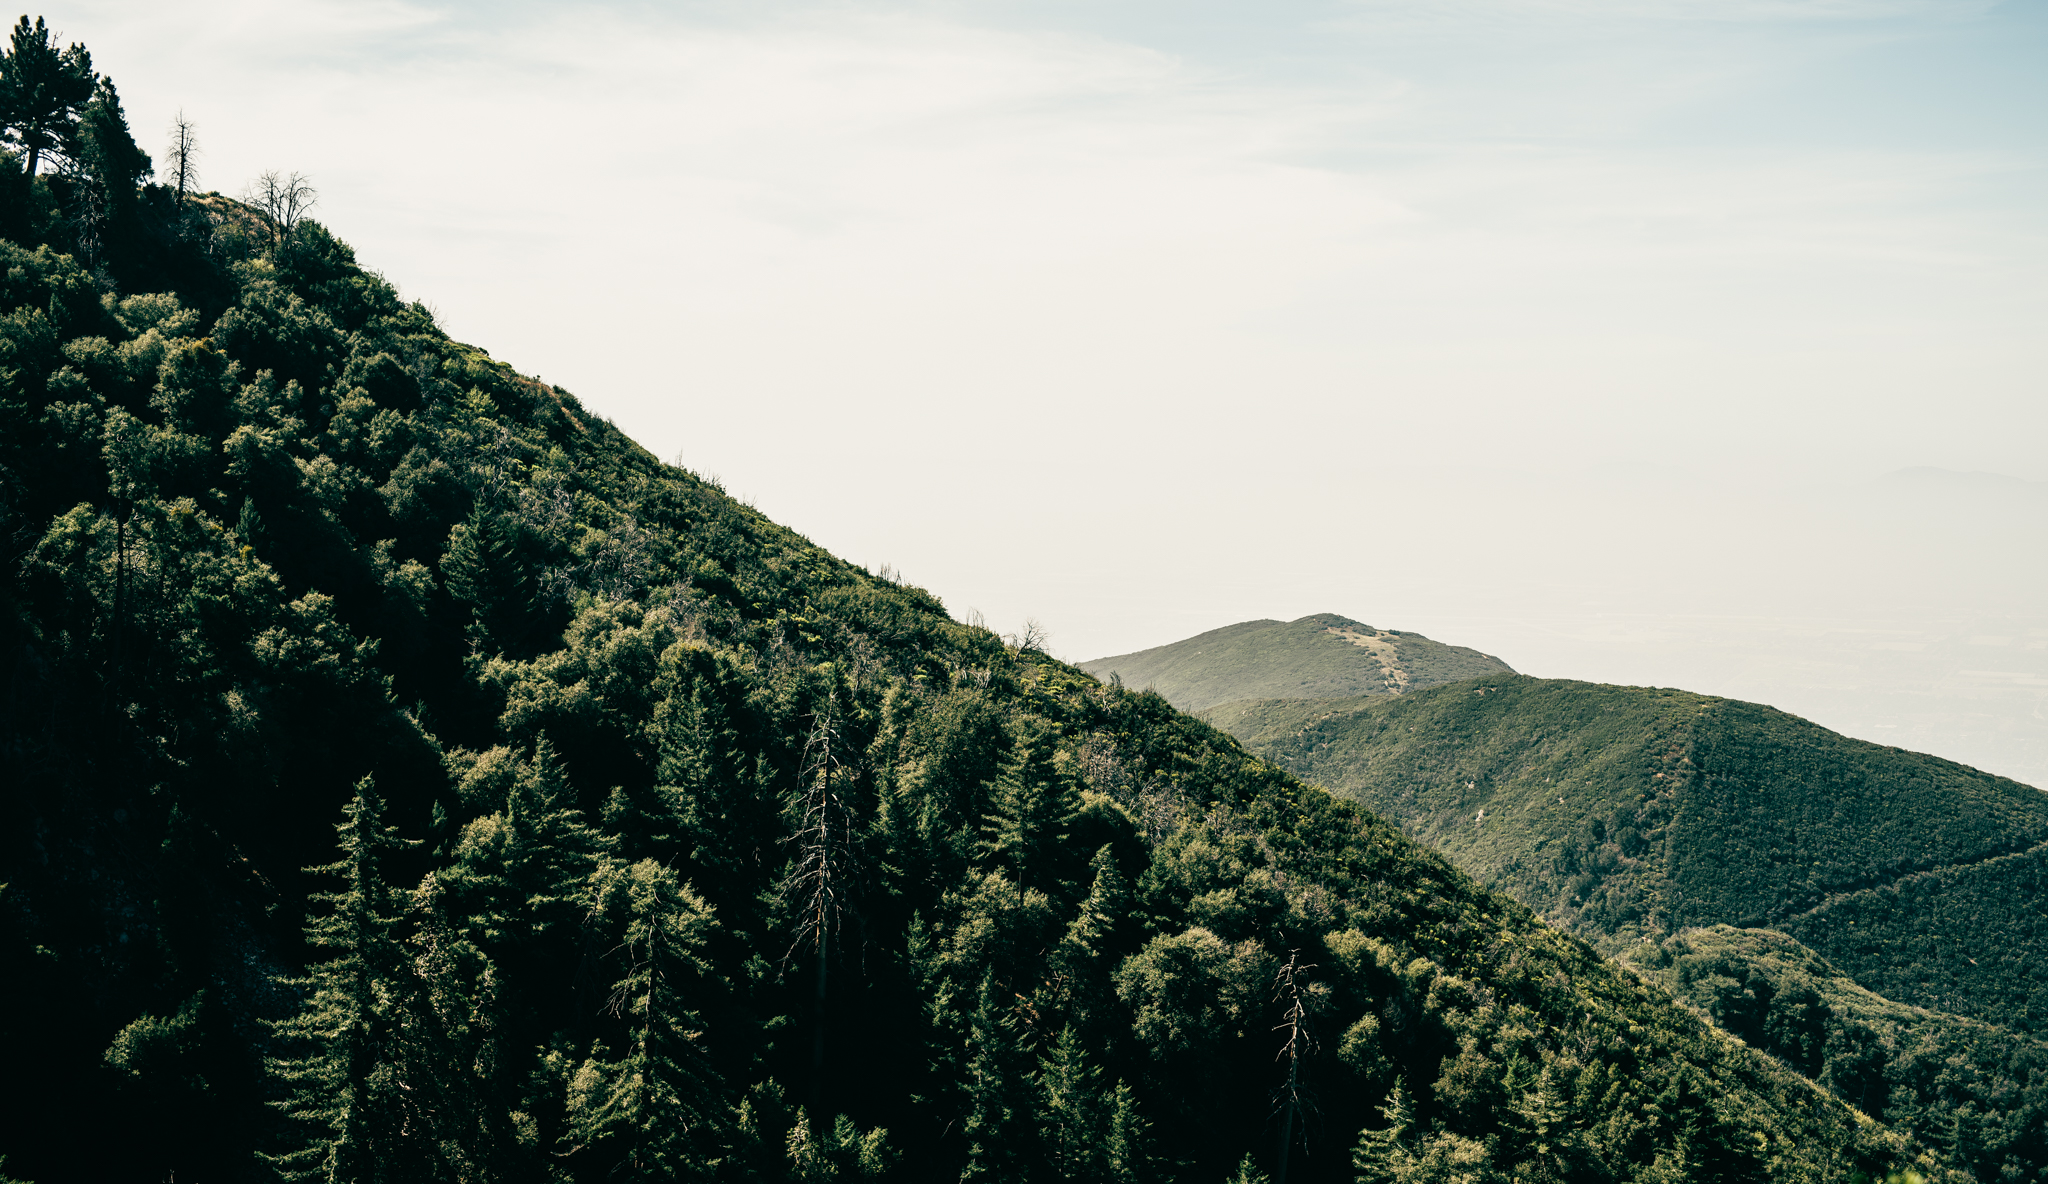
(1627, 812)
(1031, 809)
(1320, 657)
(1970, 939)
(42, 90)
(656, 1109)
(108, 167)
(288, 551)
(1976, 1091)
(349, 1085)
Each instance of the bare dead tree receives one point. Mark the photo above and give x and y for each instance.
(1291, 987)
(181, 159)
(824, 874)
(284, 198)
(1034, 637)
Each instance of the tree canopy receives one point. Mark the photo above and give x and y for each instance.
(411, 778)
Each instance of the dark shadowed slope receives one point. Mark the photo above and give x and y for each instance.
(1320, 657)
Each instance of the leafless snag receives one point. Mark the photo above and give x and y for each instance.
(1290, 986)
(181, 159)
(822, 878)
(283, 198)
(1032, 640)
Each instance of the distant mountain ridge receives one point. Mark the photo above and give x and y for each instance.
(1324, 656)
(1867, 915)
(1626, 813)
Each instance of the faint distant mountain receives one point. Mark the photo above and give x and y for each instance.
(1320, 657)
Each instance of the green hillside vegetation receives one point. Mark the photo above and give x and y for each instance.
(1974, 1088)
(1626, 812)
(409, 778)
(1968, 938)
(1320, 657)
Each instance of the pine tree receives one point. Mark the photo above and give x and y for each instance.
(455, 1062)
(43, 89)
(718, 807)
(550, 851)
(1382, 1156)
(343, 1087)
(656, 1112)
(1127, 1144)
(809, 1162)
(1540, 1115)
(1087, 1133)
(1084, 962)
(1291, 988)
(824, 874)
(181, 162)
(109, 164)
(485, 571)
(1030, 809)
(520, 877)
(1091, 937)
(999, 1090)
(1071, 1118)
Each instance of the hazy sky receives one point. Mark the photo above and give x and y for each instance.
(1578, 331)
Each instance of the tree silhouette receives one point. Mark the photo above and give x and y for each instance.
(181, 159)
(43, 90)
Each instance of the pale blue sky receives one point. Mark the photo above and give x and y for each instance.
(1576, 330)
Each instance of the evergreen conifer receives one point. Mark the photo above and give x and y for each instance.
(343, 1085)
(43, 90)
(655, 1112)
(1031, 807)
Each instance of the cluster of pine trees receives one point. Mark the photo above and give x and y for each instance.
(55, 108)
(409, 777)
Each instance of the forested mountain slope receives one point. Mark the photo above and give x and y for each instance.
(1320, 657)
(1968, 1085)
(410, 778)
(1625, 812)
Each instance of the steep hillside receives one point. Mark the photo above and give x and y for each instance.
(1970, 938)
(1626, 812)
(1976, 1088)
(1320, 657)
(411, 778)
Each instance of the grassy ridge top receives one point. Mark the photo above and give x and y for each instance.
(1624, 812)
(1324, 656)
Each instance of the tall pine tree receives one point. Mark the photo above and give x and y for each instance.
(1000, 1120)
(108, 165)
(1031, 807)
(484, 569)
(344, 1086)
(43, 90)
(658, 1111)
